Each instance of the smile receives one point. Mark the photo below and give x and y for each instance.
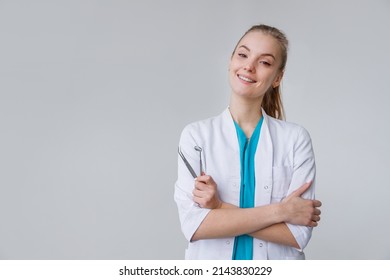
(245, 79)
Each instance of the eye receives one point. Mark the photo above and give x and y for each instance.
(242, 55)
(266, 63)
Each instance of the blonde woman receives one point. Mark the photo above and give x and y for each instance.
(253, 197)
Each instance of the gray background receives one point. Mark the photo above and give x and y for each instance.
(94, 95)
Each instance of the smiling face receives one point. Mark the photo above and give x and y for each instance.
(255, 65)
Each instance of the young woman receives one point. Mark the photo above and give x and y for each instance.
(254, 196)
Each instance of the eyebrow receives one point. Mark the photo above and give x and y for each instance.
(264, 54)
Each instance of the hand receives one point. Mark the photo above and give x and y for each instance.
(301, 211)
(205, 192)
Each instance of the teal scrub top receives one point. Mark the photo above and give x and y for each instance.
(243, 244)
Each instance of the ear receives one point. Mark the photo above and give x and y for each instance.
(278, 79)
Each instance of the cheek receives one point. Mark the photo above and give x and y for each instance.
(231, 67)
(231, 74)
(234, 64)
(231, 79)
(269, 77)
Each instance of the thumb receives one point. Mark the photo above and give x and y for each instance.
(202, 173)
(298, 192)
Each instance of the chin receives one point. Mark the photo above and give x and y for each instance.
(246, 95)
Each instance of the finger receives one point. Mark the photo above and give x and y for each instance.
(313, 224)
(315, 218)
(207, 179)
(197, 193)
(202, 178)
(200, 202)
(317, 212)
(298, 192)
(317, 203)
(197, 200)
(200, 186)
(205, 193)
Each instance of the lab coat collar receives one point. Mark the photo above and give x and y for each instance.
(228, 120)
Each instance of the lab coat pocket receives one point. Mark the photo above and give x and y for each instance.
(281, 176)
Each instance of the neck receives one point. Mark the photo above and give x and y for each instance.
(246, 112)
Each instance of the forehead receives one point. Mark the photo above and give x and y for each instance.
(259, 43)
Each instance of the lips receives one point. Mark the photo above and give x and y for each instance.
(246, 79)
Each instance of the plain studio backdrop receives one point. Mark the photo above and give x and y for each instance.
(94, 95)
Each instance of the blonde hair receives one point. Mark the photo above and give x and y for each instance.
(272, 101)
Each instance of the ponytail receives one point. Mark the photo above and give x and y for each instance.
(272, 103)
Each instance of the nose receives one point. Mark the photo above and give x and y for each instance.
(250, 66)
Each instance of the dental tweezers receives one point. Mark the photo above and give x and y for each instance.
(189, 167)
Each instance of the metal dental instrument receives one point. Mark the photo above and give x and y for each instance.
(189, 167)
(199, 149)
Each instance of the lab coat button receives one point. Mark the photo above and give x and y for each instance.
(266, 187)
(260, 244)
(228, 242)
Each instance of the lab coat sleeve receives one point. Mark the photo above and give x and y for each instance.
(190, 215)
(304, 171)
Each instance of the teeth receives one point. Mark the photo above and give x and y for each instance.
(246, 79)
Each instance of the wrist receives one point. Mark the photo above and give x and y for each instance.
(281, 213)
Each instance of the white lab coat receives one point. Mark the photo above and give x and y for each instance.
(284, 161)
